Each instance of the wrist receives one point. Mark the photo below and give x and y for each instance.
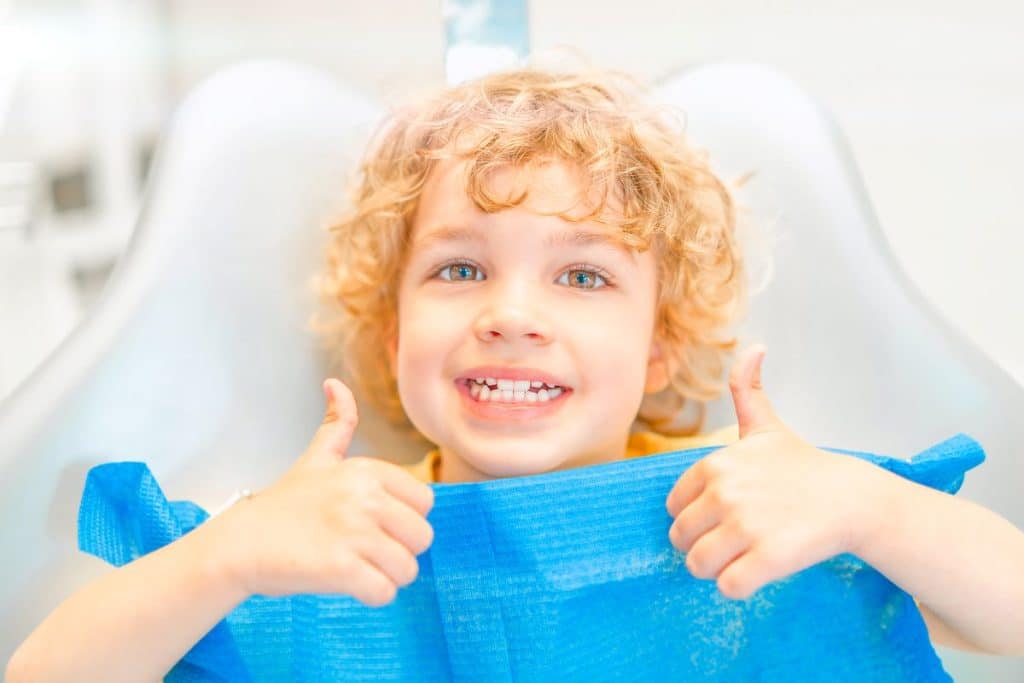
(879, 497)
(218, 557)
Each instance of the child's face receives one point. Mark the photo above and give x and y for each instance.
(513, 301)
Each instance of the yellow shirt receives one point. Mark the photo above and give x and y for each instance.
(639, 444)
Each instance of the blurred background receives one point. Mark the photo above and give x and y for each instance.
(929, 94)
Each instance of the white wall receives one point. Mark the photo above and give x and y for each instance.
(930, 95)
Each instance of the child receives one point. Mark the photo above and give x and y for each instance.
(535, 275)
(494, 171)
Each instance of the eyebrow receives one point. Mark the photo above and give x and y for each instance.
(450, 233)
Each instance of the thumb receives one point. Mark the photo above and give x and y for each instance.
(754, 411)
(340, 420)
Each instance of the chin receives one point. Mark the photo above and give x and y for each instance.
(512, 464)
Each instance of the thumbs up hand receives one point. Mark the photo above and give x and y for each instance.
(770, 504)
(331, 524)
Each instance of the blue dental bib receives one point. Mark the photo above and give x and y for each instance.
(561, 576)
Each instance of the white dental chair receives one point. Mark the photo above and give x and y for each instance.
(197, 359)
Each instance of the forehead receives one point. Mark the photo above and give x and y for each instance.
(445, 211)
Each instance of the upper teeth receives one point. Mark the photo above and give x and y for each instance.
(513, 384)
(491, 389)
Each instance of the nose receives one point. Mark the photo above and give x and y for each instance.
(512, 320)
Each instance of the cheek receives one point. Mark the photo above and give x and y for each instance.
(617, 349)
(426, 338)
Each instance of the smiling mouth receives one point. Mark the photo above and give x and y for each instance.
(513, 392)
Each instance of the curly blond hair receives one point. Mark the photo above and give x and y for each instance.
(606, 124)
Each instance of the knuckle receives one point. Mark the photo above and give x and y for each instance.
(733, 586)
(348, 421)
(343, 517)
(379, 593)
(677, 534)
(360, 465)
(373, 500)
(719, 495)
(772, 560)
(695, 564)
(699, 469)
(742, 526)
(410, 570)
(730, 496)
(424, 539)
(344, 563)
(713, 465)
(363, 483)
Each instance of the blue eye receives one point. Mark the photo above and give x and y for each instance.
(460, 272)
(583, 278)
(580, 276)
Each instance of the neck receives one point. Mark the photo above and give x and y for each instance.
(453, 469)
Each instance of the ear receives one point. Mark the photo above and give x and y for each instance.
(657, 369)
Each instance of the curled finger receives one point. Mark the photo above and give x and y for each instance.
(714, 551)
(693, 522)
(391, 558)
(405, 525)
(368, 584)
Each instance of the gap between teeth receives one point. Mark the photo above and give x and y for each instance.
(486, 393)
(519, 384)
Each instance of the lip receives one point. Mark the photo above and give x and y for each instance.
(505, 412)
(498, 372)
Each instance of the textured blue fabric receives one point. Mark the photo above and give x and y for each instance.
(561, 576)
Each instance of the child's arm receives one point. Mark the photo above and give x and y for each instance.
(135, 622)
(331, 524)
(963, 562)
(771, 505)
